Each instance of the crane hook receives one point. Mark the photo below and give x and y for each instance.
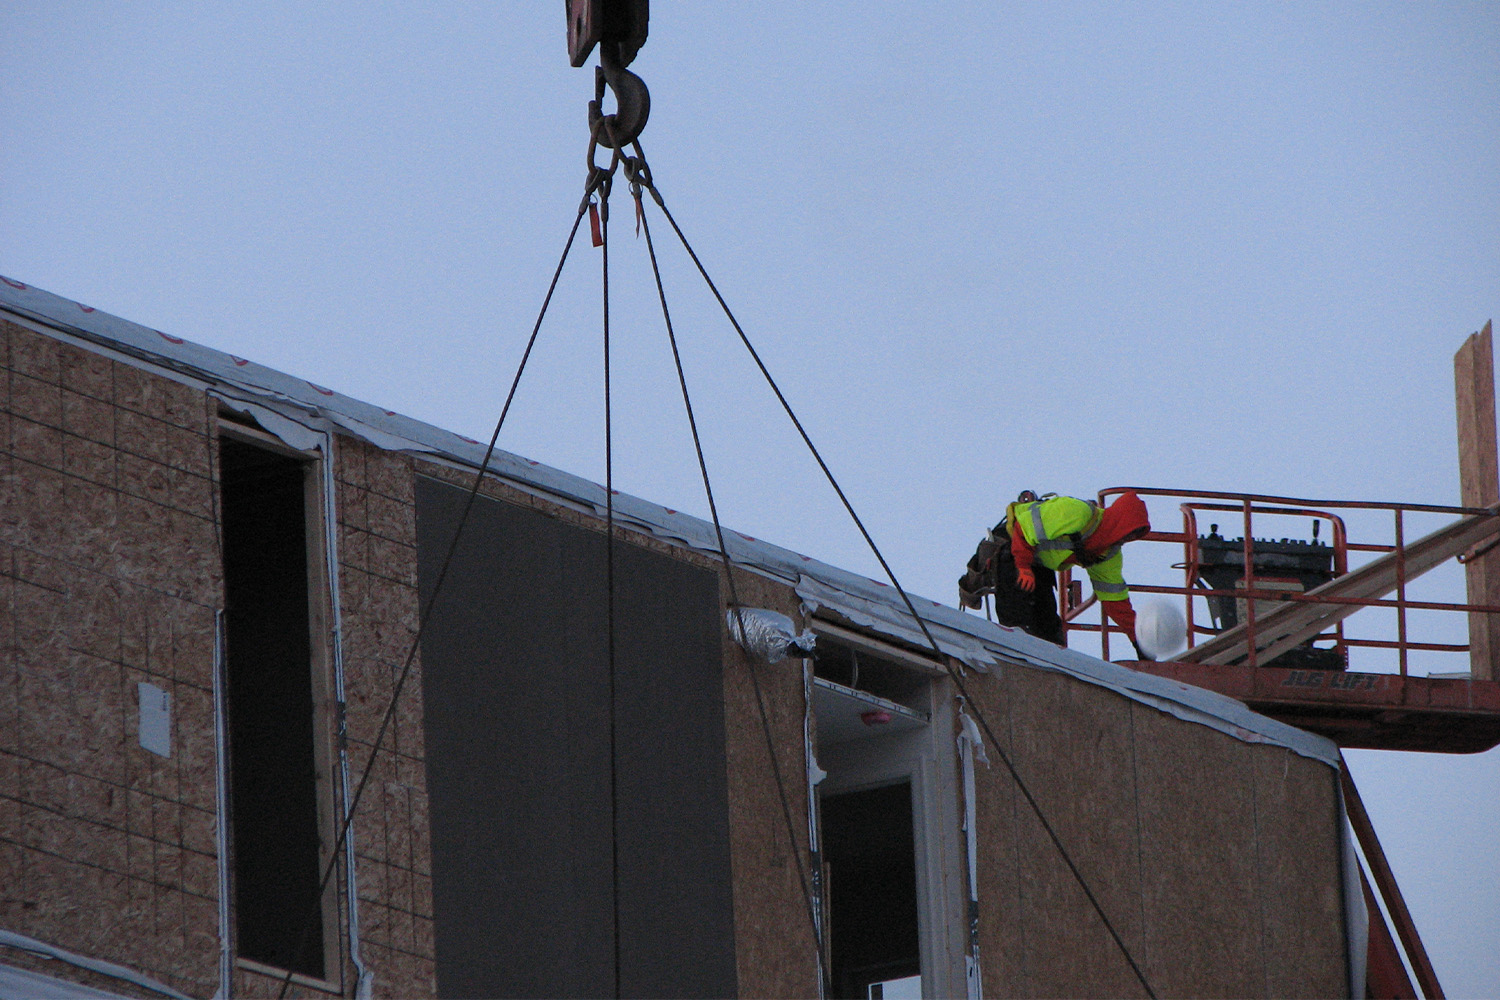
(619, 28)
(632, 101)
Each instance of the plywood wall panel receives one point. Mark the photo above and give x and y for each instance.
(1199, 873)
(1206, 852)
(88, 418)
(1002, 942)
(774, 941)
(1074, 750)
(36, 400)
(109, 574)
(86, 373)
(34, 355)
(35, 443)
(1301, 892)
(380, 610)
(164, 400)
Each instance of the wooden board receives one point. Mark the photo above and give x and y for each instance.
(1479, 478)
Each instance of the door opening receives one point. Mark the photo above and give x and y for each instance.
(870, 851)
(277, 831)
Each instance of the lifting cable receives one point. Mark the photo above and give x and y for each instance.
(639, 175)
(609, 567)
(308, 925)
(953, 671)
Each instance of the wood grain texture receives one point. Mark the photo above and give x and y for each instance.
(1479, 478)
(1216, 860)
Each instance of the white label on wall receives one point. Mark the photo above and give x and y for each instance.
(156, 719)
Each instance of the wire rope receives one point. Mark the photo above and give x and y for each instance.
(952, 671)
(609, 590)
(734, 598)
(426, 612)
(600, 179)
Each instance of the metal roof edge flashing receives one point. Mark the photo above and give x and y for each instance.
(113, 970)
(978, 643)
(1189, 703)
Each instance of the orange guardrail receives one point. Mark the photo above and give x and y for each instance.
(1252, 588)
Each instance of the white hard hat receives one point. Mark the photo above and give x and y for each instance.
(1160, 629)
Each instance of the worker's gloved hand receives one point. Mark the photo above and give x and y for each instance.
(1026, 578)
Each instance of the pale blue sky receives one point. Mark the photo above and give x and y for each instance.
(983, 248)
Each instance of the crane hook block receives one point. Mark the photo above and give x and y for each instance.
(590, 22)
(618, 27)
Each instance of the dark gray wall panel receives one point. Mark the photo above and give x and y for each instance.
(516, 689)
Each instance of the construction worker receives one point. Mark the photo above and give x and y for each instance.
(992, 572)
(1059, 531)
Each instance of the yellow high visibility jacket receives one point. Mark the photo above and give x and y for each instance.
(1053, 530)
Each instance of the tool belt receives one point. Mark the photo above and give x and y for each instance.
(979, 578)
(992, 571)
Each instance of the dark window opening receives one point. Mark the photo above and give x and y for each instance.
(273, 766)
(870, 850)
(864, 671)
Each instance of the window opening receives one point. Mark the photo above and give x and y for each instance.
(858, 694)
(273, 747)
(864, 671)
(871, 890)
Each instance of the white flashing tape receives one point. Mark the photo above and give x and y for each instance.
(894, 622)
(21, 942)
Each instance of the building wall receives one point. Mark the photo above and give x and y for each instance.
(110, 576)
(1218, 861)
(378, 595)
(774, 941)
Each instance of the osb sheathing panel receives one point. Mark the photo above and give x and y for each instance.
(1198, 836)
(775, 948)
(1065, 942)
(1217, 861)
(108, 577)
(1002, 951)
(377, 581)
(1301, 895)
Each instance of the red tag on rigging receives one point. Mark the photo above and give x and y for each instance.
(594, 224)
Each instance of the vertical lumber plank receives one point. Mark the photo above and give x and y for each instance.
(1474, 380)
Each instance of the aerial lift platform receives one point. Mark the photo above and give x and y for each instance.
(1290, 656)
(1276, 638)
